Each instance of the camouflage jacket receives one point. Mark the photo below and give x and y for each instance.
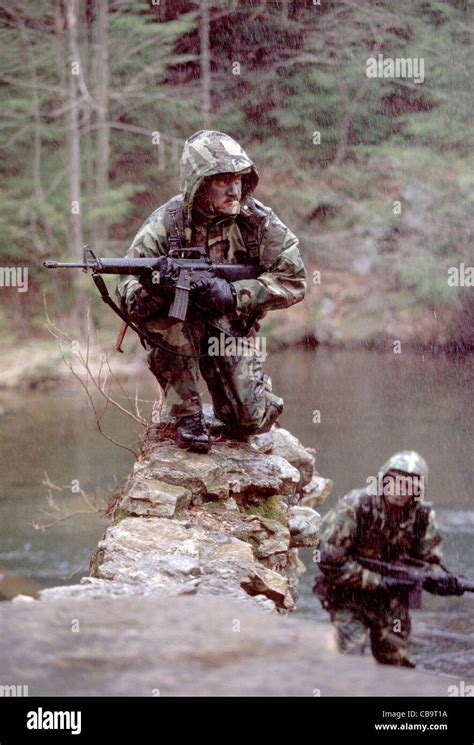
(358, 526)
(283, 281)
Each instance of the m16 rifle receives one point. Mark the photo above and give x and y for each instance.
(176, 272)
(418, 575)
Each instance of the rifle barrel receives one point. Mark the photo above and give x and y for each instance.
(418, 573)
(105, 266)
(61, 265)
(231, 272)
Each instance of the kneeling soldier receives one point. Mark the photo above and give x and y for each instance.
(216, 211)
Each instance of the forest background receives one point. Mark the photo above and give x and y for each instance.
(374, 175)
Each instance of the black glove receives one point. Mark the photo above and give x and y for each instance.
(213, 296)
(161, 278)
(443, 585)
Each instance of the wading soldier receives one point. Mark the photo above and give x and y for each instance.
(215, 211)
(383, 522)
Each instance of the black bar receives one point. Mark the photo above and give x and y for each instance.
(371, 720)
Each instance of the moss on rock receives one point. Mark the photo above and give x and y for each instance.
(269, 508)
(119, 515)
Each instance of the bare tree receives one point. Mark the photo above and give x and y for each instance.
(205, 65)
(74, 150)
(103, 134)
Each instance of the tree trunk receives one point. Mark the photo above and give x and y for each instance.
(103, 134)
(205, 65)
(74, 159)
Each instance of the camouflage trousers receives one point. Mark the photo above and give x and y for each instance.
(387, 624)
(241, 392)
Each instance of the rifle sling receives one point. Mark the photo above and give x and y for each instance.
(143, 335)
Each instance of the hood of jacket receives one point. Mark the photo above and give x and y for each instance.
(207, 153)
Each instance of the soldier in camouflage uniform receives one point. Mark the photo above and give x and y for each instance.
(215, 210)
(380, 523)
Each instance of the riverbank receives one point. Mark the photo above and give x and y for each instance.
(37, 363)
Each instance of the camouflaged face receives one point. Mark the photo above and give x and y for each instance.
(407, 461)
(207, 153)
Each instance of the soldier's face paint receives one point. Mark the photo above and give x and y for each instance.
(225, 193)
(400, 488)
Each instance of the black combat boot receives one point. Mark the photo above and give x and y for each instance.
(192, 433)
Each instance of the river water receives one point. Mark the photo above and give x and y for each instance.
(370, 405)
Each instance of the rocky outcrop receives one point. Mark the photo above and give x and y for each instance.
(225, 523)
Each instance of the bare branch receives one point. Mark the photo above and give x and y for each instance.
(64, 512)
(98, 380)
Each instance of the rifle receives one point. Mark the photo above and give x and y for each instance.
(182, 265)
(414, 573)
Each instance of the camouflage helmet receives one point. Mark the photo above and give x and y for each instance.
(407, 461)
